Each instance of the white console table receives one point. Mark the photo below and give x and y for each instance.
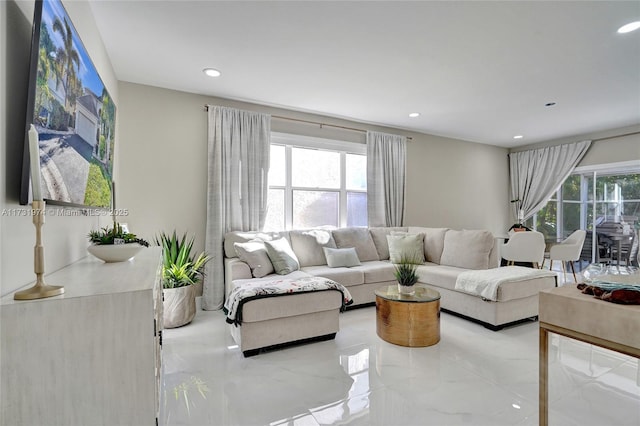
(91, 356)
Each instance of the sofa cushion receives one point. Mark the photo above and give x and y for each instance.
(439, 275)
(245, 236)
(291, 305)
(406, 247)
(345, 257)
(345, 276)
(308, 245)
(282, 257)
(446, 276)
(254, 254)
(377, 271)
(358, 238)
(379, 236)
(467, 249)
(433, 242)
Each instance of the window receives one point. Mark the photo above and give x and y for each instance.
(617, 197)
(315, 182)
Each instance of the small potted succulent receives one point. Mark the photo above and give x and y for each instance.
(180, 272)
(406, 275)
(114, 244)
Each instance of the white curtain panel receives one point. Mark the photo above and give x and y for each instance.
(386, 178)
(239, 144)
(537, 174)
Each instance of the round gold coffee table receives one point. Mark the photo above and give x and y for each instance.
(408, 320)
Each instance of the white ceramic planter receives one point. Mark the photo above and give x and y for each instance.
(114, 253)
(406, 289)
(179, 306)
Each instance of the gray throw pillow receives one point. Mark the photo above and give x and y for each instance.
(341, 257)
(358, 238)
(282, 257)
(308, 244)
(406, 247)
(254, 254)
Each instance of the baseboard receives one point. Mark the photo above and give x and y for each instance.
(253, 352)
(362, 305)
(492, 327)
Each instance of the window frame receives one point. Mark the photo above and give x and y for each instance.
(586, 173)
(290, 141)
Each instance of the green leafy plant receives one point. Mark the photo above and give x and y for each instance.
(406, 271)
(106, 236)
(179, 267)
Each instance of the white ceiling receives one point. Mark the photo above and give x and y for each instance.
(476, 70)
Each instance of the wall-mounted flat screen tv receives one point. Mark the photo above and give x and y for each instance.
(73, 113)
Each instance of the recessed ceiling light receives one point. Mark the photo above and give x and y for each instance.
(629, 27)
(211, 72)
(549, 104)
(414, 114)
(518, 137)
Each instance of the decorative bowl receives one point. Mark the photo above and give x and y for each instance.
(111, 253)
(612, 277)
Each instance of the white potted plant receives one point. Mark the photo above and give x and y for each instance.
(180, 272)
(114, 244)
(406, 275)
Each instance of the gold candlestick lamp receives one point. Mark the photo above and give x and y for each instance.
(40, 290)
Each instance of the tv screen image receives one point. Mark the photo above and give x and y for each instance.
(73, 113)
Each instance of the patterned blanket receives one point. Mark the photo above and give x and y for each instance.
(257, 290)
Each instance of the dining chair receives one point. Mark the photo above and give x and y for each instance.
(628, 250)
(568, 251)
(526, 246)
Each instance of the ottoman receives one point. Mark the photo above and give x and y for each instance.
(281, 320)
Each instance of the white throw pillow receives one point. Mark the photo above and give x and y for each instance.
(282, 257)
(254, 254)
(407, 247)
(469, 249)
(341, 257)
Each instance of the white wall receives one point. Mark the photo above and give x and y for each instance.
(457, 184)
(64, 236)
(163, 166)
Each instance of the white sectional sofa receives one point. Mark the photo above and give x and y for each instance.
(448, 253)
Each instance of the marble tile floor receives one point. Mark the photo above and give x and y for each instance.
(472, 377)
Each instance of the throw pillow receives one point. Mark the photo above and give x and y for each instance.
(282, 256)
(467, 249)
(341, 257)
(433, 241)
(230, 238)
(254, 254)
(308, 245)
(358, 238)
(379, 236)
(406, 247)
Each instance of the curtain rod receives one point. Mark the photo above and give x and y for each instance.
(317, 123)
(616, 136)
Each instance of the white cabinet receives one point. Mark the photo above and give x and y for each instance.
(91, 356)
